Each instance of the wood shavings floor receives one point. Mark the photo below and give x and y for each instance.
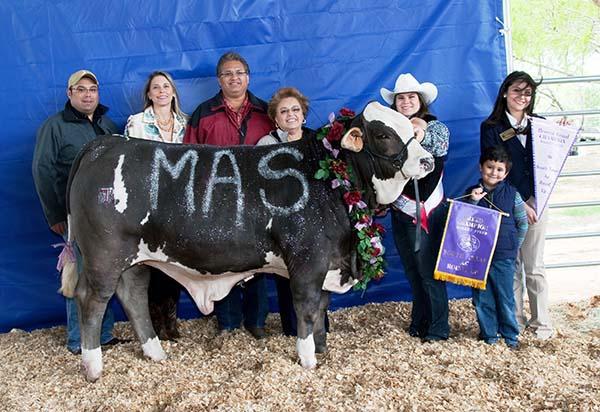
(372, 365)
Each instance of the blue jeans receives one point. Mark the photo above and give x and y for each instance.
(495, 306)
(250, 303)
(73, 333)
(429, 315)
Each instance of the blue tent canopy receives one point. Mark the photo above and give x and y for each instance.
(338, 53)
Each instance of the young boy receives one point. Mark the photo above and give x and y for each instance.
(495, 306)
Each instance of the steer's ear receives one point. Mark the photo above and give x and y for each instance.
(352, 140)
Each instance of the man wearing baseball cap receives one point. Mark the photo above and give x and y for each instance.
(58, 141)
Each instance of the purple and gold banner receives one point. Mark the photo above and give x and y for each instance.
(468, 244)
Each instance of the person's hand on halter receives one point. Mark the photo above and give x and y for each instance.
(419, 126)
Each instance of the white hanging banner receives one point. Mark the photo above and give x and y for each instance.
(551, 145)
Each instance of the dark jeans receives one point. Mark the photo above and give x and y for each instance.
(495, 306)
(249, 303)
(289, 322)
(429, 317)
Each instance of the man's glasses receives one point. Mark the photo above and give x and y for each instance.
(230, 74)
(84, 90)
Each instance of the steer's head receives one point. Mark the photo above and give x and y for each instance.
(385, 154)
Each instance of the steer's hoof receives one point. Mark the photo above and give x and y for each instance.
(91, 376)
(91, 364)
(308, 362)
(153, 350)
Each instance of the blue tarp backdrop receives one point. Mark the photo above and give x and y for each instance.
(338, 53)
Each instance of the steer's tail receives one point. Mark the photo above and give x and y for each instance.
(69, 275)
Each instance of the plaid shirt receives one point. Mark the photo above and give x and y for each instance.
(237, 117)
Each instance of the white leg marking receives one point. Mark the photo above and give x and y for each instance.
(119, 190)
(153, 350)
(270, 224)
(144, 220)
(92, 363)
(306, 352)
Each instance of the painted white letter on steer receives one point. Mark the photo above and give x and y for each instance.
(119, 189)
(160, 159)
(231, 180)
(267, 173)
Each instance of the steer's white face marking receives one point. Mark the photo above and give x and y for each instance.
(92, 363)
(388, 190)
(153, 350)
(145, 219)
(267, 173)
(270, 224)
(161, 161)
(213, 180)
(393, 119)
(306, 352)
(332, 282)
(119, 190)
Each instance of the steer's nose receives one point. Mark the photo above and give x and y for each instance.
(427, 163)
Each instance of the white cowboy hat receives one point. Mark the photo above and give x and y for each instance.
(406, 83)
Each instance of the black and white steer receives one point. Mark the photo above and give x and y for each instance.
(211, 216)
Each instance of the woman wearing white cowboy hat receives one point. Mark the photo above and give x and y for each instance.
(429, 317)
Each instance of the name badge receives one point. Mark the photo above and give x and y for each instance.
(507, 134)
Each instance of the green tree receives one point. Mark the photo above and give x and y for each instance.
(558, 37)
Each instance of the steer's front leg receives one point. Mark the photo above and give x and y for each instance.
(307, 313)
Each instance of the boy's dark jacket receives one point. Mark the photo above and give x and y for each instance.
(503, 196)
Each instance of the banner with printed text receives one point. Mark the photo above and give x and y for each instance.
(468, 245)
(551, 145)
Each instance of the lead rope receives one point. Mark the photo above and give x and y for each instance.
(418, 212)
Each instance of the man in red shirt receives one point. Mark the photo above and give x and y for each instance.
(234, 116)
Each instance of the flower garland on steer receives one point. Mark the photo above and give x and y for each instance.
(370, 249)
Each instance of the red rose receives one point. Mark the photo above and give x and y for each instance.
(335, 132)
(379, 228)
(338, 167)
(344, 111)
(376, 252)
(352, 198)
